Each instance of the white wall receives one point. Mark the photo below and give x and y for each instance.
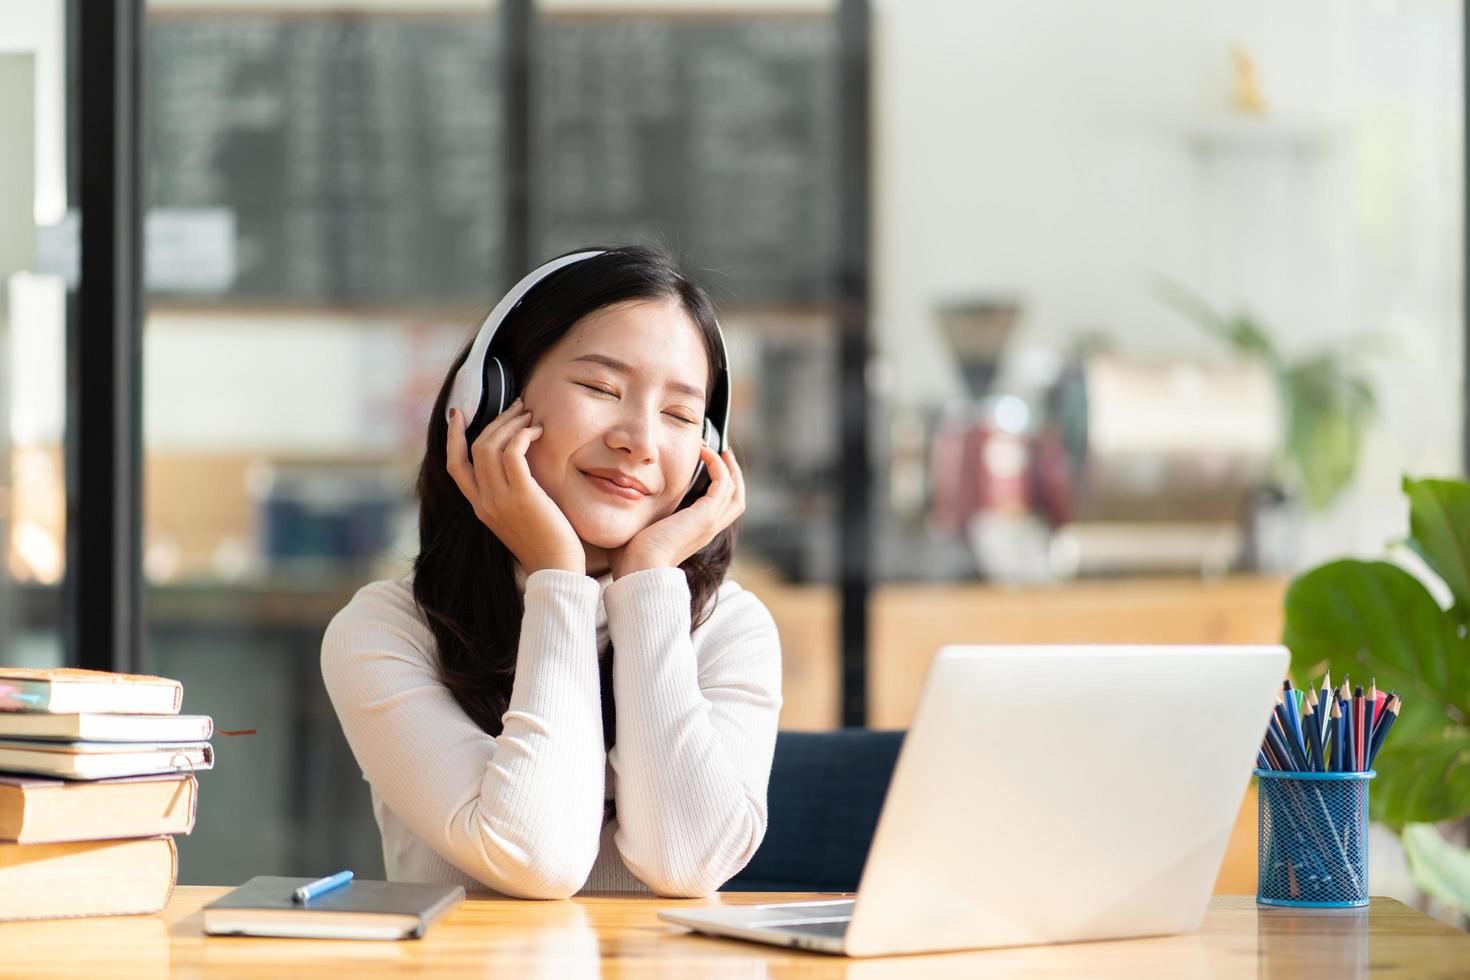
(1043, 149)
(292, 384)
(37, 26)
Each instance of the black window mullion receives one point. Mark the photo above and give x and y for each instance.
(854, 510)
(103, 442)
(517, 36)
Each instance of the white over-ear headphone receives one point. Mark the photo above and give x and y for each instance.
(484, 387)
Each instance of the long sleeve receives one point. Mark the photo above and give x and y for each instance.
(520, 812)
(695, 735)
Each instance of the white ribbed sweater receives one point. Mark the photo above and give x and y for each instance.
(522, 813)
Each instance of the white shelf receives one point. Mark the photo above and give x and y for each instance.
(1250, 133)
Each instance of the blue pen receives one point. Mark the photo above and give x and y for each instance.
(315, 889)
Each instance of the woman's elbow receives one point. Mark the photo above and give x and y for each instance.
(668, 881)
(542, 886)
(695, 875)
(548, 877)
(544, 866)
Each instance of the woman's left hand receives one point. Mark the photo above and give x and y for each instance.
(667, 543)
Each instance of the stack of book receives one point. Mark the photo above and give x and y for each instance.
(96, 778)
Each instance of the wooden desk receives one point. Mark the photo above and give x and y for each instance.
(616, 937)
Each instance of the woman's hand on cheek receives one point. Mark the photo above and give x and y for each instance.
(498, 483)
(668, 542)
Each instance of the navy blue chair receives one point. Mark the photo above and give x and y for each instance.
(825, 795)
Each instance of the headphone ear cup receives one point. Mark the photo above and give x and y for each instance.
(701, 480)
(499, 388)
(697, 487)
(497, 391)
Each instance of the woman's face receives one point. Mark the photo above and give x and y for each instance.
(621, 398)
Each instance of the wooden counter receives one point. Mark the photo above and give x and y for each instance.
(583, 939)
(909, 623)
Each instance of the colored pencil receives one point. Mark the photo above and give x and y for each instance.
(1278, 745)
(1360, 727)
(1326, 702)
(1293, 716)
(1377, 700)
(1338, 739)
(1380, 731)
(1314, 739)
(1294, 753)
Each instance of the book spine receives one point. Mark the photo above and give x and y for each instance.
(24, 696)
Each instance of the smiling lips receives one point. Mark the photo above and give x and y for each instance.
(616, 483)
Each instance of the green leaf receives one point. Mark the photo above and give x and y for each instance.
(1437, 866)
(1375, 620)
(1243, 333)
(1439, 531)
(1249, 338)
(1422, 779)
(1326, 411)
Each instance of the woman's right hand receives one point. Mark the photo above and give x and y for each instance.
(507, 499)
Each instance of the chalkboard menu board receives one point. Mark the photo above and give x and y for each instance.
(715, 136)
(362, 156)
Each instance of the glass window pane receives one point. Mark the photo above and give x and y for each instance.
(1140, 266)
(716, 134)
(325, 195)
(33, 310)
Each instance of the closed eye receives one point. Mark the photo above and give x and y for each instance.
(613, 394)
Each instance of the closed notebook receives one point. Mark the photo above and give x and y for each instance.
(38, 810)
(264, 906)
(66, 690)
(103, 760)
(115, 877)
(106, 728)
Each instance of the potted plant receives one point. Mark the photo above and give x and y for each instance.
(1373, 619)
(1326, 398)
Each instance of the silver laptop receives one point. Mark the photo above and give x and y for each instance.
(1046, 794)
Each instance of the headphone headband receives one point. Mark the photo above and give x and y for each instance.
(468, 389)
(467, 393)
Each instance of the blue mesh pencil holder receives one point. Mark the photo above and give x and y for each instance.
(1313, 839)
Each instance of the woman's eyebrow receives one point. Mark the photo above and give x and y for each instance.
(617, 365)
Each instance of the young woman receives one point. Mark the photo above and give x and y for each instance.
(567, 695)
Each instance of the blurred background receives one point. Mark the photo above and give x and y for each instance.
(1050, 321)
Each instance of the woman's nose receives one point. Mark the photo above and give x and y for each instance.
(634, 433)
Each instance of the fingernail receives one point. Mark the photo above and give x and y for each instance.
(453, 412)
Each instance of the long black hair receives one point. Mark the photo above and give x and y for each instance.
(464, 576)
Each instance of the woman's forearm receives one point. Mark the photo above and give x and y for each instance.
(520, 812)
(694, 742)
